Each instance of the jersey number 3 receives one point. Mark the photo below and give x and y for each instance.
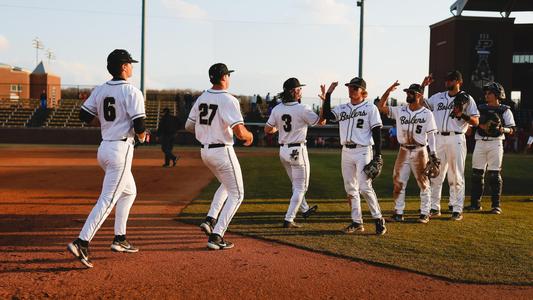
(287, 119)
(204, 111)
(109, 109)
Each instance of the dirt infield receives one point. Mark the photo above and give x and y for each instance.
(46, 194)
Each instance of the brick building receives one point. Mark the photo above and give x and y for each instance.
(17, 83)
(14, 82)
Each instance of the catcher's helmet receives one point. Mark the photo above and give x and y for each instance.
(496, 89)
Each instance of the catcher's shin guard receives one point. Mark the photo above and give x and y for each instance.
(477, 187)
(496, 184)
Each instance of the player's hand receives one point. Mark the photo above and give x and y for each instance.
(322, 94)
(249, 141)
(428, 80)
(393, 86)
(332, 87)
(457, 112)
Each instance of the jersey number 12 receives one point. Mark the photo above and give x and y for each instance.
(204, 111)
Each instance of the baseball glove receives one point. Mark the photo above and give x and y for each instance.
(459, 103)
(373, 168)
(493, 124)
(432, 169)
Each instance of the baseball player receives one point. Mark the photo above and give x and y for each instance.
(359, 129)
(416, 130)
(452, 123)
(214, 118)
(118, 107)
(495, 120)
(291, 120)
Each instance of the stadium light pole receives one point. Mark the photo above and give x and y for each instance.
(143, 88)
(361, 4)
(37, 44)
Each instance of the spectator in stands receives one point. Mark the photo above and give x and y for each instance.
(189, 100)
(44, 100)
(393, 137)
(168, 126)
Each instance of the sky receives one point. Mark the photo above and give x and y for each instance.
(266, 42)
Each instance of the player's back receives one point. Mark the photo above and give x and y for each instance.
(215, 113)
(116, 104)
(292, 120)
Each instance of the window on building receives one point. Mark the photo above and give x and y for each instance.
(16, 88)
(523, 59)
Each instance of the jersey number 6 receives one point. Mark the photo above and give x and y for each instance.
(204, 111)
(109, 109)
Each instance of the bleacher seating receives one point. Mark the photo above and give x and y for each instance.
(17, 114)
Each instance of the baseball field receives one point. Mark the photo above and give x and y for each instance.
(48, 191)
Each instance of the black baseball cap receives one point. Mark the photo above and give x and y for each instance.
(218, 70)
(415, 87)
(454, 75)
(120, 56)
(357, 82)
(291, 83)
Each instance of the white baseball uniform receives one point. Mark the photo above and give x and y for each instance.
(214, 115)
(116, 104)
(413, 129)
(355, 129)
(451, 149)
(488, 152)
(291, 119)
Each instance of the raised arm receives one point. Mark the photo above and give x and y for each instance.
(325, 111)
(382, 105)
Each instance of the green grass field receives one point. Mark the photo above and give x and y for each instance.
(482, 248)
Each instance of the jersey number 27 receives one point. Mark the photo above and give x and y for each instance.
(204, 111)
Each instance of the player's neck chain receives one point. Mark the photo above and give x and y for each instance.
(354, 114)
(414, 120)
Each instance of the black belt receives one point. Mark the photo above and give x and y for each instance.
(353, 146)
(122, 140)
(411, 147)
(293, 145)
(448, 133)
(214, 146)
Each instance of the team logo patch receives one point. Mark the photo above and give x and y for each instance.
(294, 154)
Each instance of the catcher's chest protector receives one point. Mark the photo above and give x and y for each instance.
(491, 113)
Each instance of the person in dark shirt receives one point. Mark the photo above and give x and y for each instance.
(168, 126)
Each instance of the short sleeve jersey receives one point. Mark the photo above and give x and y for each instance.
(356, 122)
(116, 104)
(292, 119)
(412, 126)
(214, 114)
(441, 104)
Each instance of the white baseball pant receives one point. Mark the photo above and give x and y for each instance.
(488, 154)
(356, 181)
(224, 164)
(118, 188)
(411, 160)
(298, 169)
(451, 150)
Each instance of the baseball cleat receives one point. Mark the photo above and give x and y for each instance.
(496, 211)
(457, 216)
(354, 227)
(434, 213)
(291, 224)
(123, 246)
(396, 218)
(175, 160)
(380, 226)
(216, 242)
(207, 228)
(310, 211)
(424, 219)
(80, 252)
(474, 208)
